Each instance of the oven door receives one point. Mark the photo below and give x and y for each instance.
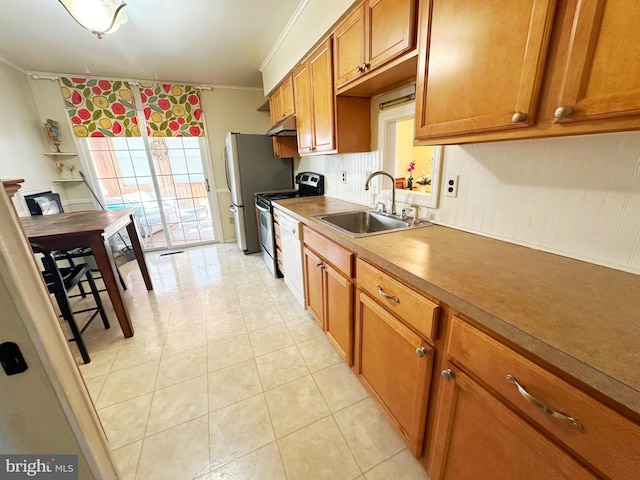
(267, 241)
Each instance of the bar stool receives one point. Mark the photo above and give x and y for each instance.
(60, 281)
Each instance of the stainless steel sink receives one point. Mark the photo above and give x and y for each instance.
(366, 222)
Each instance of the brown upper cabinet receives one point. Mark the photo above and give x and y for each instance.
(326, 123)
(481, 65)
(526, 69)
(313, 87)
(375, 32)
(281, 104)
(602, 69)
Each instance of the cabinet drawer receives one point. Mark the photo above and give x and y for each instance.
(415, 309)
(276, 215)
(276, 230)
(607, 441)
(333, 253)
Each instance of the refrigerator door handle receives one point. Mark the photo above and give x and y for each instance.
(226, 167)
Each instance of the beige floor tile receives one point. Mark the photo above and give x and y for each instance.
(255, 299)
(225, 353)
(177, 404)
(290, 308)
(225, 326)
(186, 320)
(182, 452)
(262, 318)
(295, 405)
(126, 459)
(137, 351)
(125, 422)
(94, 386)
(303, 328)
(179, 367)
(318, 353)
(318, 452)
(368, 433)
(267, 340)
(339, 386)
(239, 429)
(186, 338)
(280, 367)
(101, 362)
(233, 384)
(264, 463)
(128, 383)
(402, 465)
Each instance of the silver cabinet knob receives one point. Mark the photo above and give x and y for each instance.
(563, 111)
(519, 117)
(359, 69)
(421, 352)
(448, 375)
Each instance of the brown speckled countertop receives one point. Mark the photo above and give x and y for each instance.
(580, 317)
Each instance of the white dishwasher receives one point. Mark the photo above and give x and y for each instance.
(291, 242)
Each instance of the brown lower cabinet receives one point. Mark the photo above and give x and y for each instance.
(395, 365)
(329, 289)
(478, 436)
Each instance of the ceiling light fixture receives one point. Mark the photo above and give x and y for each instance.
(98, 16)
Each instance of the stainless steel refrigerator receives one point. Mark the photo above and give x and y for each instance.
(251, 167)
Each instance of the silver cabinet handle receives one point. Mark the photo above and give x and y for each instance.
(447, 374)
(519, 117)
(386, 295)
(320, 265)
(563, 111)
(421, 351)
(541, 406)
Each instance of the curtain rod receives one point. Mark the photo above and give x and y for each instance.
(54, 78)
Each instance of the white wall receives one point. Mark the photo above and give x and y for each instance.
(315, 18)
(22, 137)
(577, 196)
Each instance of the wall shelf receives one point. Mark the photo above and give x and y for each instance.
(61, 154)
(67, 180)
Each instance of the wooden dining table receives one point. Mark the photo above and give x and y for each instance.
(92, 228)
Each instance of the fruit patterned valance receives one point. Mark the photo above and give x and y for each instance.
(172, 110)
(100, 108)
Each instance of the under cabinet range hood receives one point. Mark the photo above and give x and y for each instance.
(284, 128)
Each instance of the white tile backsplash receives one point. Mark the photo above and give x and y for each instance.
(576, 196)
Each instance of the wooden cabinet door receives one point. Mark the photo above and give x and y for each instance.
(286, 93)
(275, 106)
(480, 65)
(313, 288)
(477, 436)
(348, 43)
(320, 66)
(388, 364)
(602, 75)
(338, 311)
(303, 105)
(390, 30)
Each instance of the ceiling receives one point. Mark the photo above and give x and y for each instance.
(217, 42)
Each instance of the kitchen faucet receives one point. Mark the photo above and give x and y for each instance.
(393, 188)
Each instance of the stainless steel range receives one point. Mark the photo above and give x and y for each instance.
(309, 184)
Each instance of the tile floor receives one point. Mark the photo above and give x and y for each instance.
(227, 377)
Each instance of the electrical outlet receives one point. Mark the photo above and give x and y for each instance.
(451, 186)
(344, 176)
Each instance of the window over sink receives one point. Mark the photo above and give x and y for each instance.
(395, 143)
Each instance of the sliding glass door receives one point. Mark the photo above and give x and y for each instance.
(164, 179)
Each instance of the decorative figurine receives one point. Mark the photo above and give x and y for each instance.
(53, 132)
